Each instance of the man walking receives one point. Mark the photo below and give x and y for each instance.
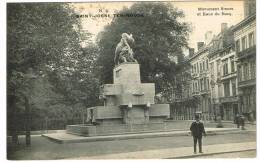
(197, 129)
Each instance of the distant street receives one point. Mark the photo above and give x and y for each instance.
(43, 148)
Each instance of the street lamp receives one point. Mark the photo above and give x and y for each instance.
(212, 84)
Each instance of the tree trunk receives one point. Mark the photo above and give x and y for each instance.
(27, 121)
(83, 116)
(13, 119)
(14, 137)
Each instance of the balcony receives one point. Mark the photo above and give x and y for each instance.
(229, 76)
(228, 99)
(247, 83)
(215, 100)
(195, 93)
(205, 91)
(195, 75)
(203, 73)
(247, 52)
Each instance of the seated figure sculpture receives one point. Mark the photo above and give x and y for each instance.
(123, 52)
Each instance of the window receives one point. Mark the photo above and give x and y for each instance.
(253, 70)
(201, 84)
(251, 40)
(239, 77)
(207, 64)
(246, 71)
(225, 67)
(248, 100)
(234, 87)
(238, 46)
(212, 68)
(243, 43)
(203, 65)
(200, 67)
(198, 85)
(232, 62)
(208, 84)
(220, 91)
(205, 84)
(226, 89)
(218, 68)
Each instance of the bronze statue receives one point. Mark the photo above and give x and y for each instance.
(123, 52)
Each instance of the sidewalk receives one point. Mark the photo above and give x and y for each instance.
(177, 153)
(69, 138)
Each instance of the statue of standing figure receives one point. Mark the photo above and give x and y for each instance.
(124, 52)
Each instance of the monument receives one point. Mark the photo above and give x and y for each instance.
(129, 105)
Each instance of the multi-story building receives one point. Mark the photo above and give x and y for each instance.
(200, 86)
(215, 76)
(182, 106)
(245, 44)
(223, 72)
(223, 78)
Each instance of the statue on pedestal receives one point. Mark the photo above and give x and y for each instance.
(124, 52)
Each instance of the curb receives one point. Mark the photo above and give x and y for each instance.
(136, 136)
(208, 154)
(113, 137)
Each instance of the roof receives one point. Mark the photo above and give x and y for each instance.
(201, 50)
(244, 22)
(222, 41)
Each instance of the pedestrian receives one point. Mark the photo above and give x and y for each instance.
(197, 129)
(242, 122)
(237, 120)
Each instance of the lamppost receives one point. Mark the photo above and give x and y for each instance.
(212, 84)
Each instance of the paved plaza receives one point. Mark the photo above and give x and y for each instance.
(165, 147)
(182, 152)
(242, 154)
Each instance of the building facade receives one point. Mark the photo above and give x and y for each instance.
(223, 72)
(183, 104)
(245, 44)
(223, 76)
(200, 85)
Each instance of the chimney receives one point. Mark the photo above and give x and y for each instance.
(191, 52)
(208, 37)
(224, 27)
(200, 45)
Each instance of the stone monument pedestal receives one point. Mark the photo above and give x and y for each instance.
(128, 106)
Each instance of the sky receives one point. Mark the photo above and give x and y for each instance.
(234, 13)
